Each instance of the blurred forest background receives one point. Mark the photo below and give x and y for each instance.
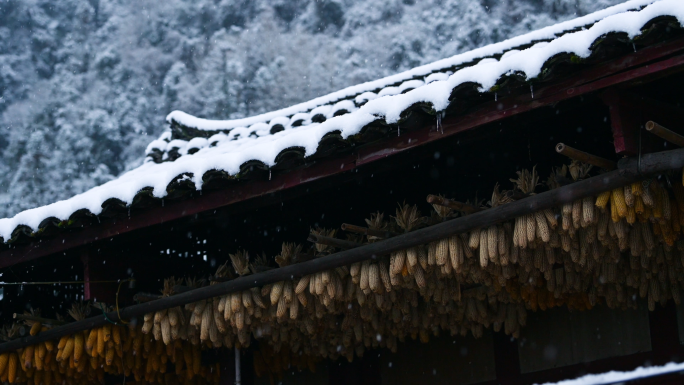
(85, 85)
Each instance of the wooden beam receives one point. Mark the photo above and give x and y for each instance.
(655, 60)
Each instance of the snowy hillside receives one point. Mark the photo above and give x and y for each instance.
(85, 86)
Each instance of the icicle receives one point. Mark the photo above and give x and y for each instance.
(398, 131)
(129, 211)
(269, 174)
(532, 90)
(496, 96)
(98, 219)
(634, 46)
(439, 122)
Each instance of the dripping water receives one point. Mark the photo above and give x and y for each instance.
(532, 91)
(496, 96)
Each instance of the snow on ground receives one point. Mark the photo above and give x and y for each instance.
(619, 377)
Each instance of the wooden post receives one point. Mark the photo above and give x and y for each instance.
(629, 113)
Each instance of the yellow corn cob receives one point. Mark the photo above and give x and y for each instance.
(68, 349)
(78, 347)
(108, 331)
(614, 216)
(28, 355)
(13, 367)
(631, 215)
(35, 328)
(636, 189)
(639, 205)
(619, 200)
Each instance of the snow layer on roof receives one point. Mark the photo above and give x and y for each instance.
(547, 33)
(231, 151)
(618, 377)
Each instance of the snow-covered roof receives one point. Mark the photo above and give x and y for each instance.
(212, 148)
(615, 377)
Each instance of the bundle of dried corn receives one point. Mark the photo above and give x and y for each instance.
(612, 249)
(85, 358)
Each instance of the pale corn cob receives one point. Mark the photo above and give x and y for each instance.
(484, 250)
(502, 244)
(542, 227)
(432, 253)
(422, 257)
(551, 218)
(240, 319)
(276, 292)
(474, 241)
(412, 256)
(629, 197)
(355, 271)
(419, 275)
(383, 270)
(374, 278)
(294, 309)
(588, 210)
(256, 297)
(493, 242)
(531, 227)
(207, 315)
(363, 284)
(303, 284)
(302, 298)
(282, 308)
(647, 197)
(442, 252)
(456, 252)
(318, 282)
(576, 214)
(399, 260)
(235, 302)
(325, 277)
(288, 292)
